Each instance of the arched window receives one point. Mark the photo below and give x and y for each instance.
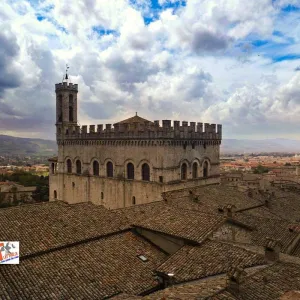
(95, 168)
(109, 169)
(145, 172)
(78, 166)
(102, 196)
(130, 171)
(69, 166)
(55, 194)
(183, 171)
(71, 117)
(205, 169)
(133, 200)
(53, 168)
(60, 110)
(195, 170)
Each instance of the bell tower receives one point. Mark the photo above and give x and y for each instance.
(66, 105)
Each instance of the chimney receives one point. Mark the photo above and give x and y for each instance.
(272, 250)
(229, 210)
(235, 278)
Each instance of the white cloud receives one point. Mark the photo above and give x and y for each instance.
(191, 63)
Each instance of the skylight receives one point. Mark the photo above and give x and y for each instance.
(142, 258)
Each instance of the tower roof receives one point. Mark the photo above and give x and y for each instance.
(134, 119)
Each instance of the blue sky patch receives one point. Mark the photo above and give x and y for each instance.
(286, 57)
(40, 18)
(290, 8)
(259, 43)
(102, 31)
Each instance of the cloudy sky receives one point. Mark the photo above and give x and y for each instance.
(234, 62)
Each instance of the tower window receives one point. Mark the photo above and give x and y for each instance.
(195, 170)
(78, 166)
(145, 172)
(95, 168)
(53, 168)
(69, 166)
(161, 179)
(109, 169)
(102, 196)
(205, 169)
(71, 117)
(133, 200)
(55, 194)
(183, 171)
(130, 171)
(60, 110)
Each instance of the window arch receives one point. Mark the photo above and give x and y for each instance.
(55, 194)
(71, 116)
(205, 169)
(69, 166)
(183, 171)
(95, 168)
(78, 166)
(109, 169)
(145, 172)
(130, 171)
(195, 170)
(53, 168)
(60, 110)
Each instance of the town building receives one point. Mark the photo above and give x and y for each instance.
(133, 162)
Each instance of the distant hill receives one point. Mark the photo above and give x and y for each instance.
(26, 146)
(255, 146)
(40, 147)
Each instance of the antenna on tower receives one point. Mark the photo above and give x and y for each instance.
(66, 77)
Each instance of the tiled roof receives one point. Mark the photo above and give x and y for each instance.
(92, 270)
(209, 198)
(135, 119)
(187, 224)
(263, 228)
(210, 258)
(190, 291)
(44, 226)
(267, 284)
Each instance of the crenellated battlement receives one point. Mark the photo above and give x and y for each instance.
(65, 85)
(148, 130)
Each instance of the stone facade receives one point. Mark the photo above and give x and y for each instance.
(132, 162)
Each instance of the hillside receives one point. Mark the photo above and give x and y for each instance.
(26, 146)
(256, 146)
(40, 147)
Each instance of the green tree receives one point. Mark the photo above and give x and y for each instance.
(260, 170)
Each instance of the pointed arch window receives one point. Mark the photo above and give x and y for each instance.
(205, 169)
(78, 166)
(71, 115)
(195, 170)
(95, 168)
(145, 172)
(109, 169)
(69, 166)
(130, 171)
(53, 168)
(183, 171)
(60, 110)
